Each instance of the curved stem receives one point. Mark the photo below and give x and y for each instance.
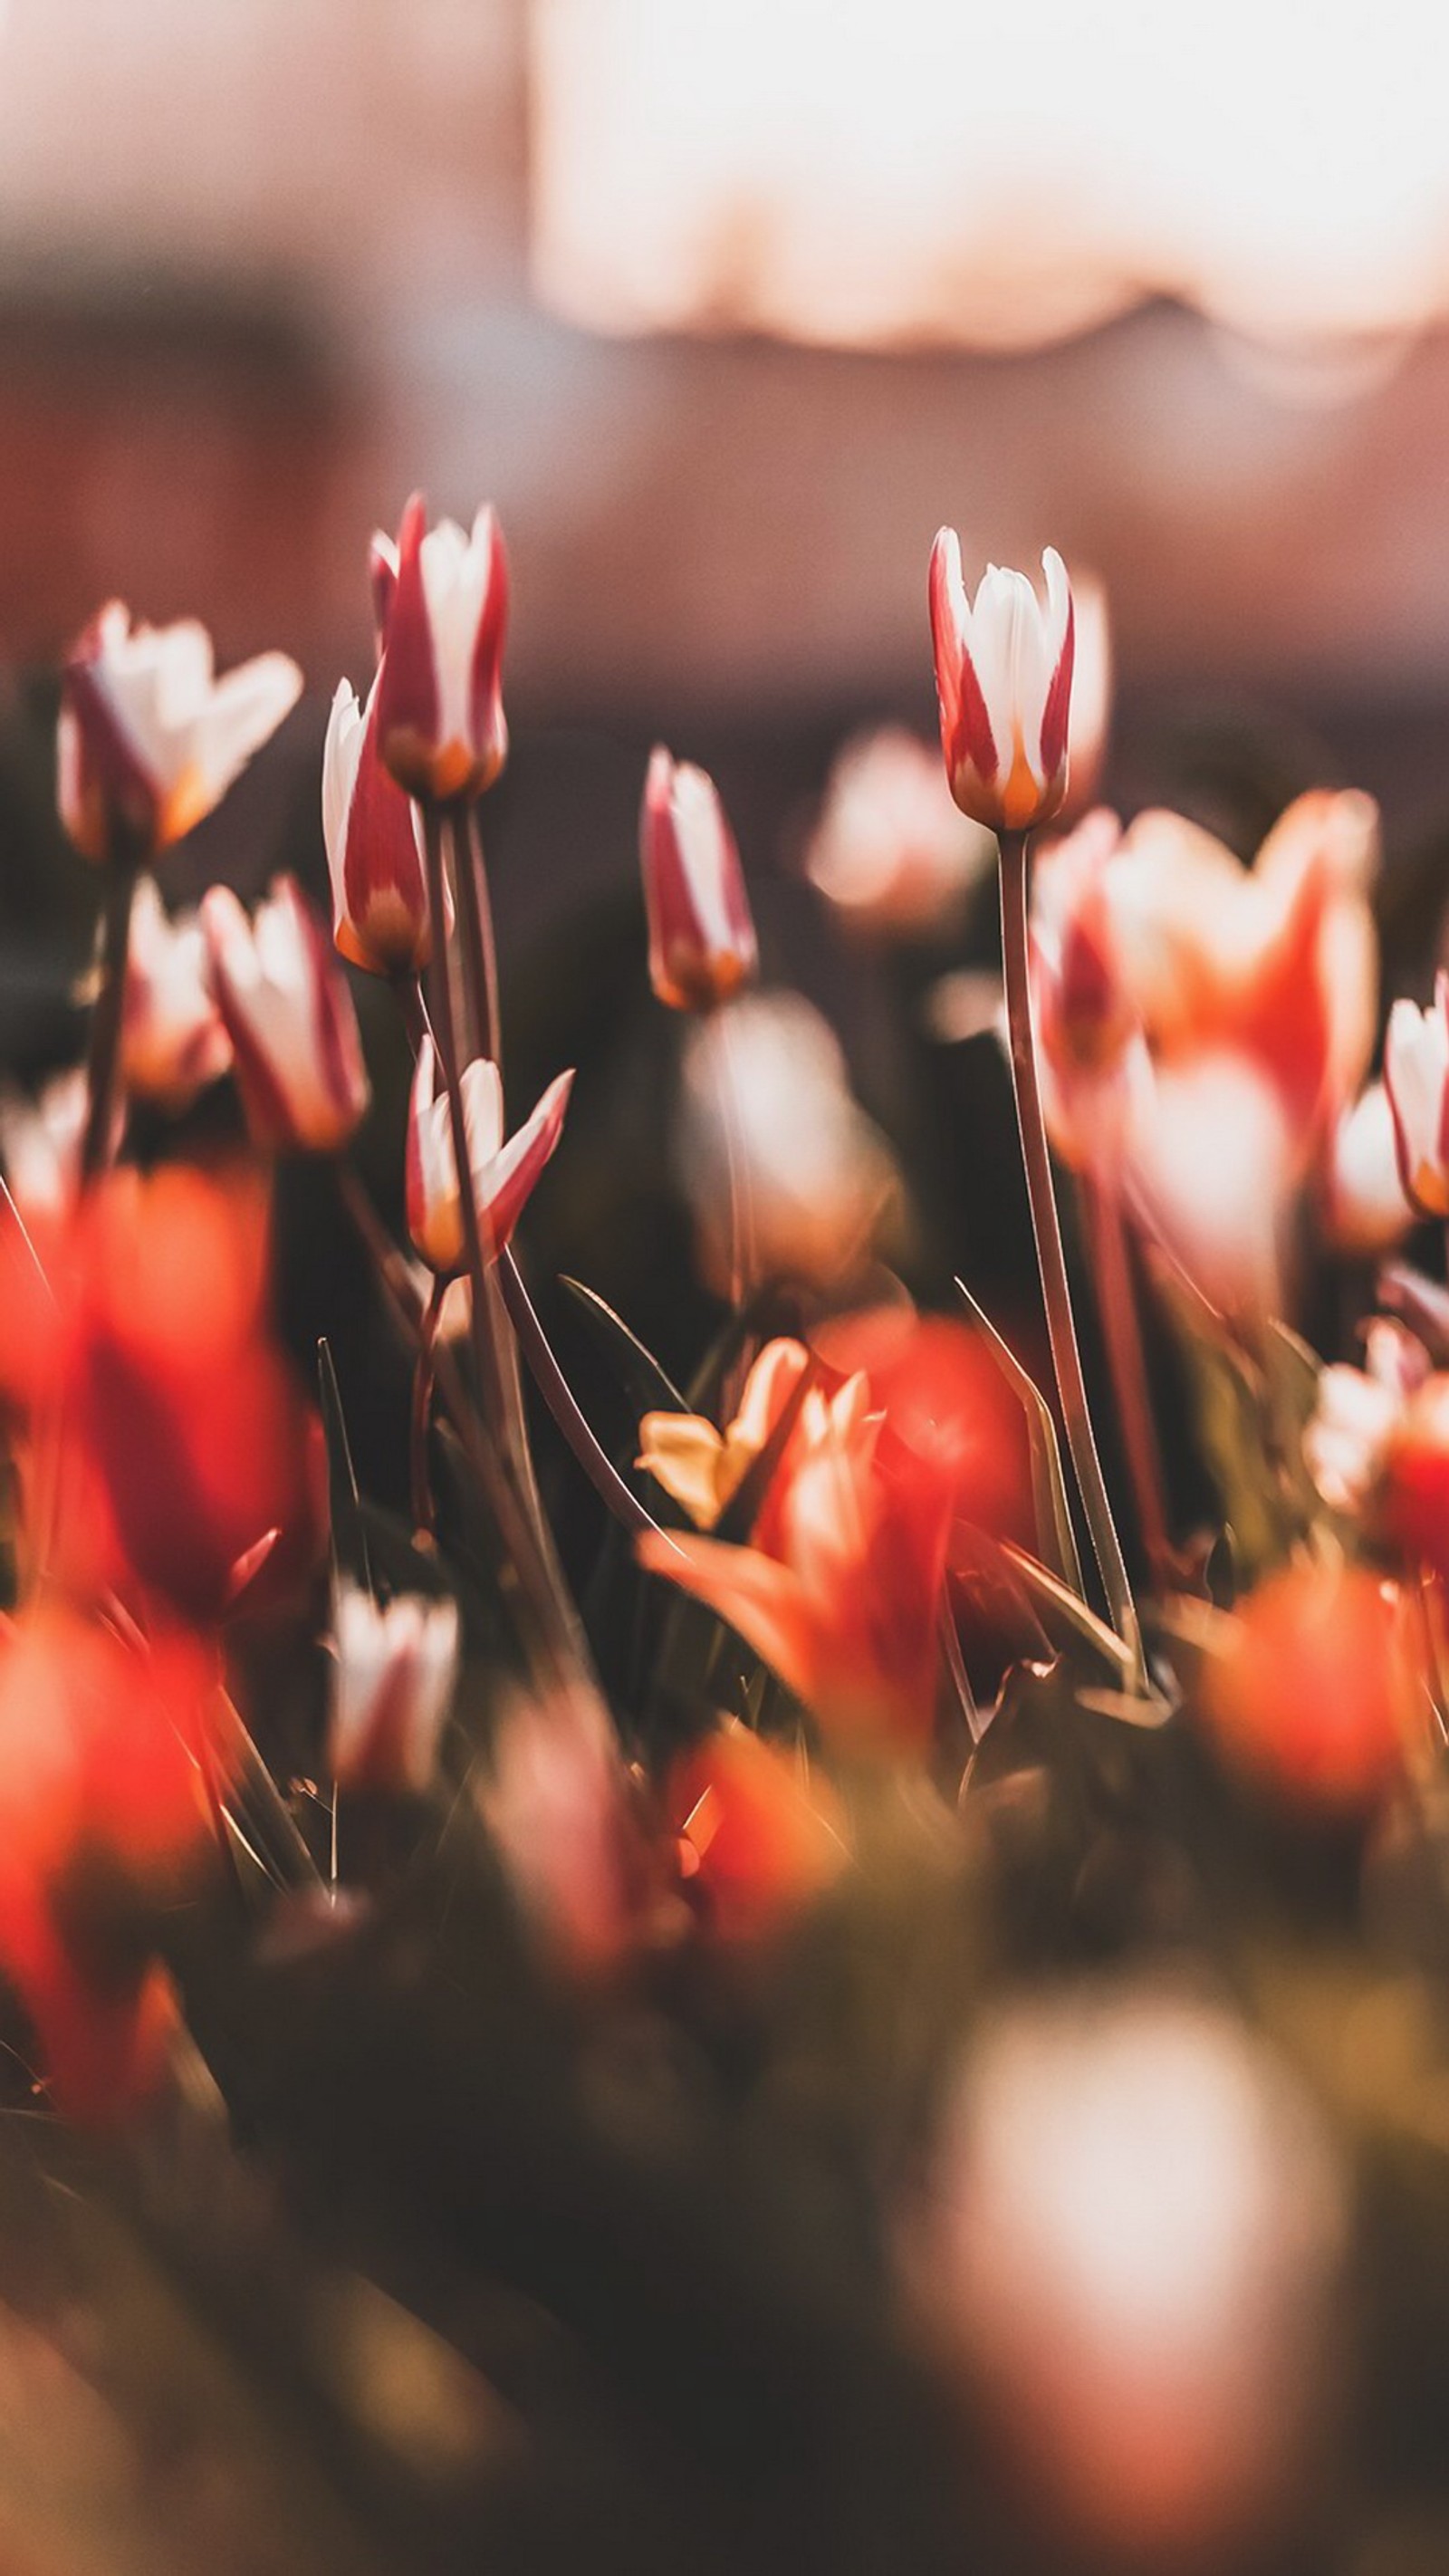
(1051, 1259)
(421, 1412)
(1122, 1335)
(559, 1396)
(103, 1052)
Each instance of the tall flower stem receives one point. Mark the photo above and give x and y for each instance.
(1122, 1335)
(440, 1012)
(103, 1051)
(1051, 1259)
(421, 1411)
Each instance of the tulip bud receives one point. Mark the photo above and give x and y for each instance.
(150, 740)
(380, 916)
(396, 1666)
(1004, 681)
(1416, 1078)
(172, 1039)
(289, 1015)
(1311, 1691)
(701, 937)
(504, 1175)
(440, 722)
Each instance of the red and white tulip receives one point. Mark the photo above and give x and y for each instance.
(289, 1015)
(444, 595)
(504, 1173)
(397, 1663)
(701, 935)
(1004, 681)
(150, 740)
(380, 915)
(172, 1039)
(1416, 1078)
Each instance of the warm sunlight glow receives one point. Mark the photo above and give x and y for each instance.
(842, 171)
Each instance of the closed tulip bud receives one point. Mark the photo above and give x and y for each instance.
(1416, 1078)
(289, 1014)
(1004, 681)
(396, 1666)
(172, 1039)
(701, 937)
(380, 915)
(440, 722)
(150, 740)
(504, 1174)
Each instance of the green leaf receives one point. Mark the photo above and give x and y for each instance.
(1054, 1532)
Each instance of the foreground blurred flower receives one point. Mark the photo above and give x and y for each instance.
(172, 1039)
(890, 852)
(766, 1098)
(1416, 1078)
(40, 1142)
(149, 738)
(504, 1175)
(156, 1408)
(380, 916)
(844, 1607)
(1414, 1497)
(757, 1839)
(554, 1802)
(1310, 1689)
(396, 1666)
(701, 936)
(1004, 681)
(289, 1015)
(1085, 1014)
(103, 1824)
(440, 723)
(1133, 2246)
(1210, 1161)
(1358, 1411)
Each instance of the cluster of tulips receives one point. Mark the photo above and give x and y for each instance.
(1192, 1037)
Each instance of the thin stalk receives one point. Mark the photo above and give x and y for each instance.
(558, 1395)
(103, 1051)
(1051, 1259)
(421, 1411)
(1120, 1320)
(440, 998)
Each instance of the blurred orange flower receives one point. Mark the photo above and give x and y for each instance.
(1311, 1691)
(756, 1840)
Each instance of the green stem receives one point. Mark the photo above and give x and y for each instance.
(103, 1053)
(1051, 1258)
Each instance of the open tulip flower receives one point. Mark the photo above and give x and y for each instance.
(701, 935)
(172, 1039)
(845, 1608)
(440, 721)
(380, 916)
(504, 1173)
(1416, 1078)
(701, 1468)
(149, 738)
(289, 1015)
(396, 1666)
(1004, 681)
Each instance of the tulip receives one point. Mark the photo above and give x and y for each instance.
(150, 740)
(440, 722)
(1416, 1078)
(554, 1801)
(1132, 2245)
(504, 1175)
(103, 1824)
(40, 1143)
(701, 1468)
(845, 1608)
(757, 1840)
(289, 1015)
(1357, 1413)
(1364, 1210)
(380, 916)
(701, 937)
(1004, 681)
(396, 1666)
(890, 853)
(1414, 1499)
(1309, 1689)
(173, 1042)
